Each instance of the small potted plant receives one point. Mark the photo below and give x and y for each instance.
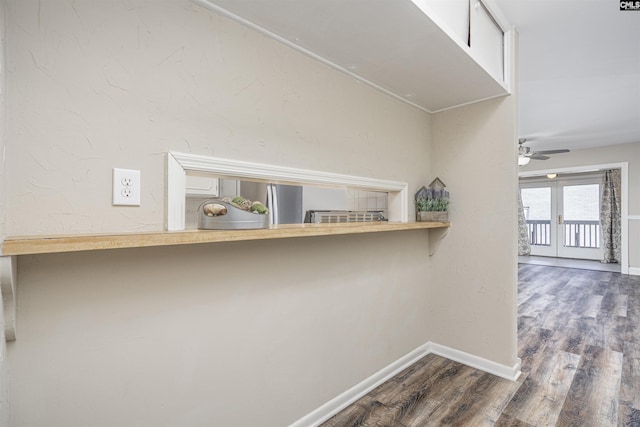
(432, 202)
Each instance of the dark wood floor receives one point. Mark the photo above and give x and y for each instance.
(579, 340)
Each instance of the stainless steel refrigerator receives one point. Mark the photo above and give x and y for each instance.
(288, 203)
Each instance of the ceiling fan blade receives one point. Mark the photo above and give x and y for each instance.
(537, 156)
(564, 150)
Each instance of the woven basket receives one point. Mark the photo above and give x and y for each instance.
(432, 216)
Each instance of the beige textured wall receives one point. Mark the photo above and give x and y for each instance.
(596, 156)
(474, 287)
(190, 335)
(3, 121)
(4, 368)
(238, 334)
(97, 85)
(4, 375)
(475, 266)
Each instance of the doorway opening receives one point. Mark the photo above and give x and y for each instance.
(562, 214)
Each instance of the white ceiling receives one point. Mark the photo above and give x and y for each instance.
(579, 72)
(579, 59)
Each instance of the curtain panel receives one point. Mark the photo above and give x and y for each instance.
(610, 216)
(524, 247)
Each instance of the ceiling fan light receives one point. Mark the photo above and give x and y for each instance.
(522, 160)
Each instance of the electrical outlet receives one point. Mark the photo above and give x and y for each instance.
(126, 187)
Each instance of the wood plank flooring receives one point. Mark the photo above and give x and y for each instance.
(579, 341)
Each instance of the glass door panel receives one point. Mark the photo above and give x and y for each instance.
(538, 211)
(580, 234)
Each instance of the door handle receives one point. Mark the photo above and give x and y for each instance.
(560, 219)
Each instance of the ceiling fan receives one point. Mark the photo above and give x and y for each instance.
(525, 154)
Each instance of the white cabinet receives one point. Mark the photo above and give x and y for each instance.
(487, 40)
(472, 25)
(452, 15)
(202, 185)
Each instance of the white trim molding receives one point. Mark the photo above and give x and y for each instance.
(178, 164)
(337, 404)
(624, 178)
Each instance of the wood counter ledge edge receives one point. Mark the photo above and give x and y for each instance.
(29, 245)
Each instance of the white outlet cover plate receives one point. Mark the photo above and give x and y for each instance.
(126, 187)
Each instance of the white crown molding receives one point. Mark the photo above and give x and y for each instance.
(178, 164)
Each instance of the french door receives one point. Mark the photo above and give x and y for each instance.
(563, 217)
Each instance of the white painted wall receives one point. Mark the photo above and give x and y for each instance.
(188, 335)
(610, 154)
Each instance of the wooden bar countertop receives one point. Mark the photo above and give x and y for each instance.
(27, 245)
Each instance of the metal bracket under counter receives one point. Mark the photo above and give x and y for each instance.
(8, 282)
(436, 235)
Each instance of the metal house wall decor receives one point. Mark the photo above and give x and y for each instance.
(432, 202)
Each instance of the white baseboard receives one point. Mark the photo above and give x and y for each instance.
(503, 371)
(345, 399)
(634, 271)
(335, 405)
